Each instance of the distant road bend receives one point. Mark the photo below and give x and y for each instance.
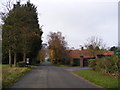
(49, 76)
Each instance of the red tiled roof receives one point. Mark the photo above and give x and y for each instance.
(87, 53)
(74, 53)
(108, 52)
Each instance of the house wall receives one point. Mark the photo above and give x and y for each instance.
(76, 62)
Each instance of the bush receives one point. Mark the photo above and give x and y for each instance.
(21, 64)
(106, 64)
(92, 63)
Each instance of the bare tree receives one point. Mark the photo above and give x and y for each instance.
(8, 5)
(95, 45)
(95, 42)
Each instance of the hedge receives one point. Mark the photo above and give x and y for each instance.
(108, 64)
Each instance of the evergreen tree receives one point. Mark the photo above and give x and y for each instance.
(35, 31)
(21, 32)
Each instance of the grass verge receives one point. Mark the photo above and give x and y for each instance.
(98, 78)
(12, 74)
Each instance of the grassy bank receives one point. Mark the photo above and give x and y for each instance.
(11, 74)
(98, 78)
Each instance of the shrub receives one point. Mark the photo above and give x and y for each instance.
(92, 63)
(106, 64)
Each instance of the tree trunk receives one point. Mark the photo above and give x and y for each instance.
(10, 60)
(24, 57)
(14, 59)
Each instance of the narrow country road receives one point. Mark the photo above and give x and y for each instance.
(49, 76)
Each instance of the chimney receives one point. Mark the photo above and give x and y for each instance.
(82, 48)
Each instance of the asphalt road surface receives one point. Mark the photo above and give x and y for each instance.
(49, 76)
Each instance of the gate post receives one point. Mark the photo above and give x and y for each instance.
(81, 61)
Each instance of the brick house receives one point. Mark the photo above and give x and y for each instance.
(81, 57)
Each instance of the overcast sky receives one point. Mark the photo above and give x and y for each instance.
(79, 19)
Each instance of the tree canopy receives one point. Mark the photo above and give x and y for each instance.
(57, 47)
(21, 31)
(95, 42)
(113, 48)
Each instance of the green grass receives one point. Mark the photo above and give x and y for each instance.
(12, 74)
(98, 78)
(4, 65)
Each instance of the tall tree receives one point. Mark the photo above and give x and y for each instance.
(95, 45)
(13, 36)
(21, 31)
(96, 42)
(35, 32)
(8, 35)
(57, 46)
